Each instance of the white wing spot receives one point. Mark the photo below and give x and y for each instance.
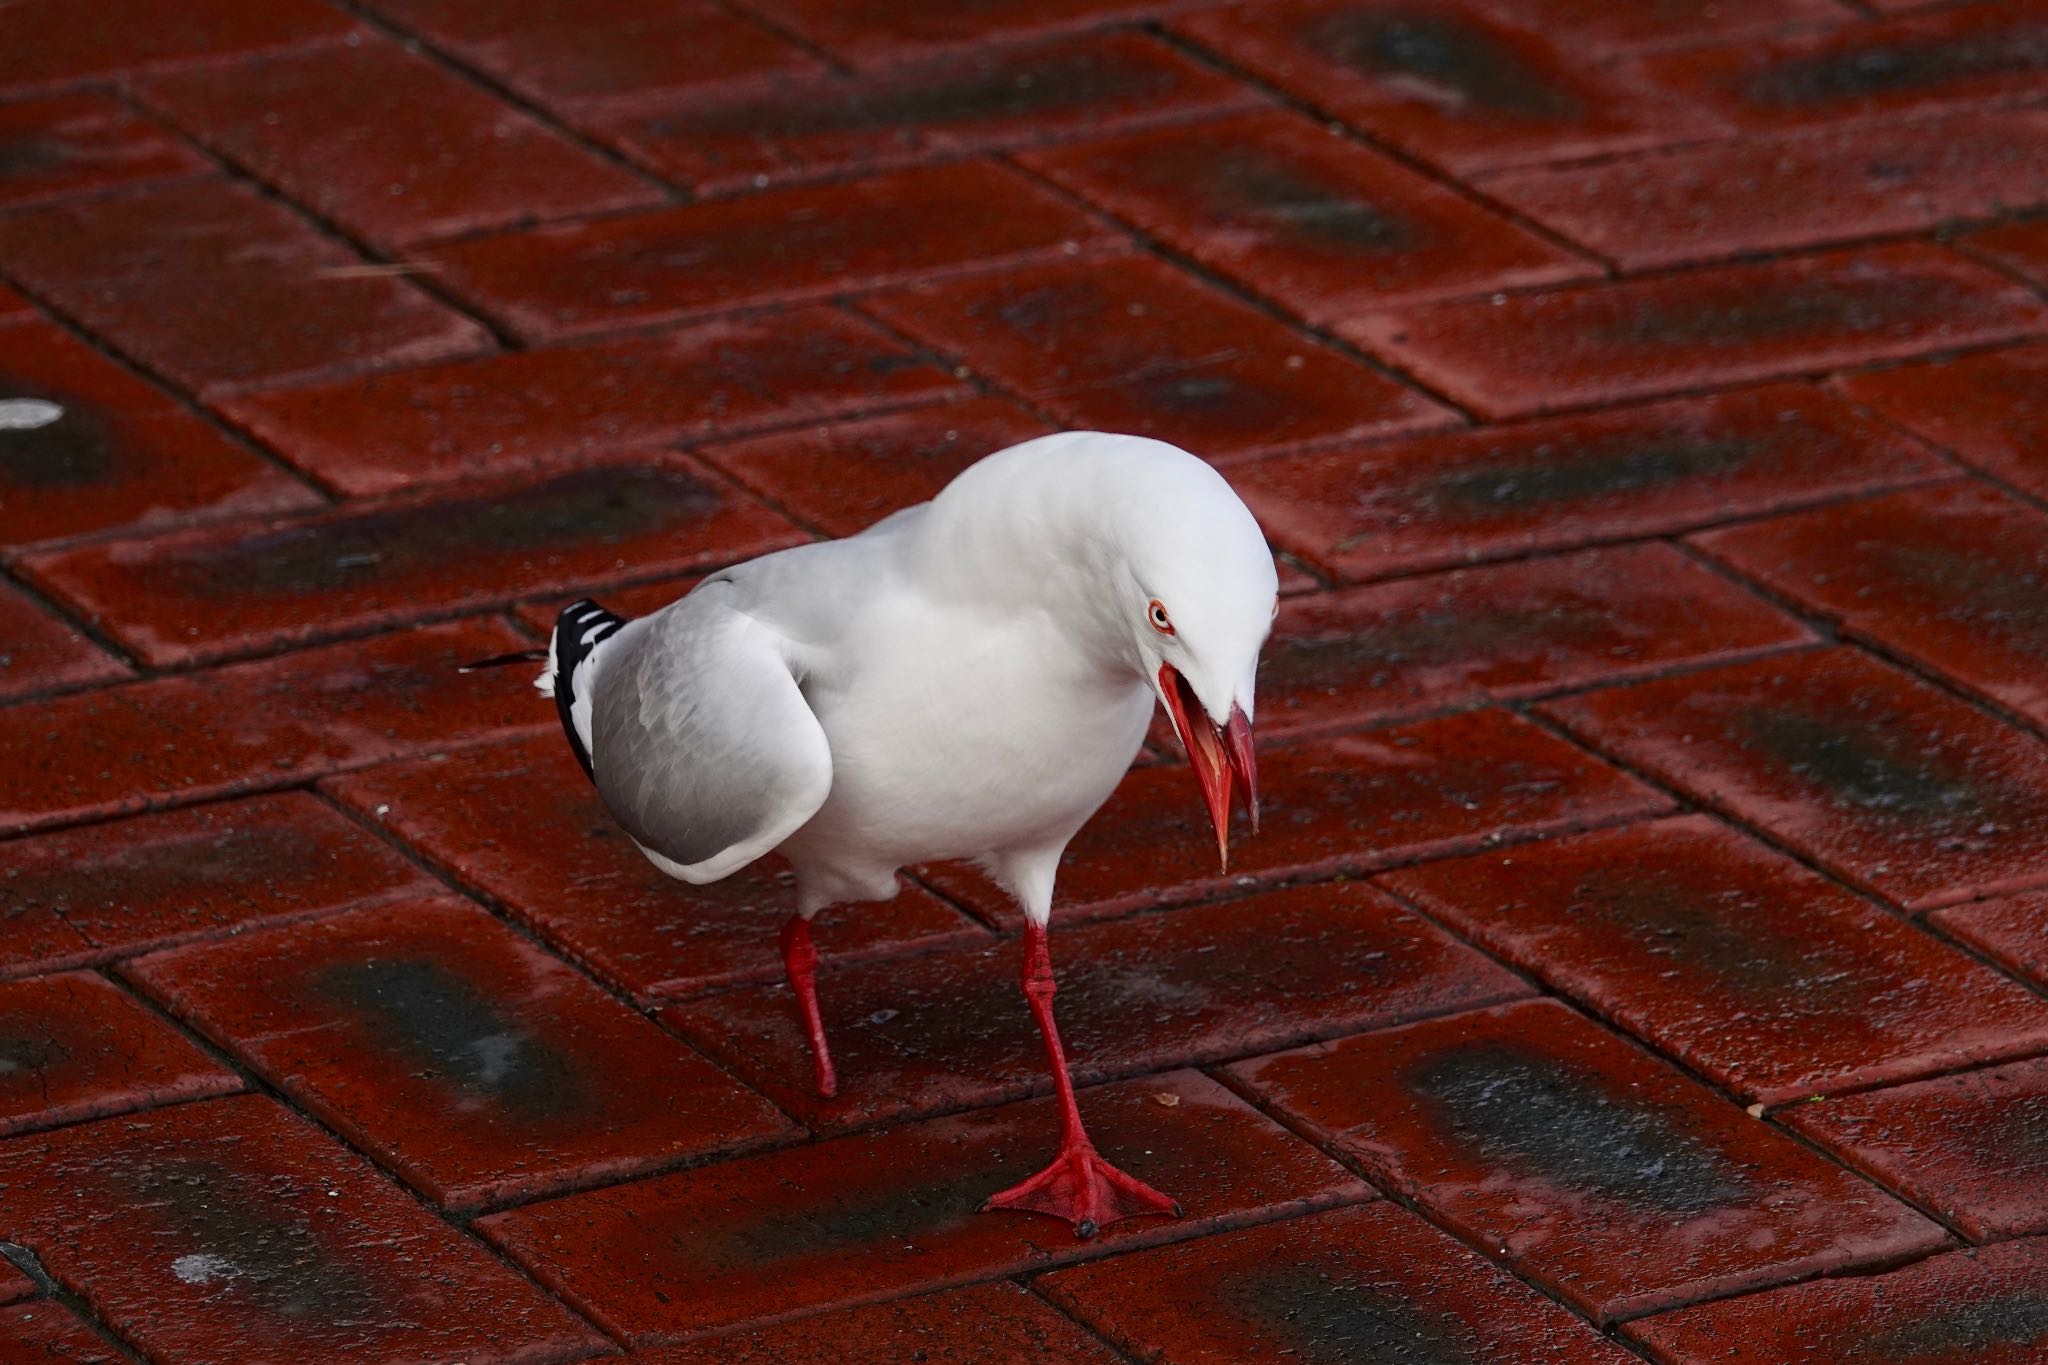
(26, 414)
(204, 1268)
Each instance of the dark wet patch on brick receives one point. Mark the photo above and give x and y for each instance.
(1898, 68)
(1209, 395)
(1606, 467)
(1949, 1329)
(862, 1218)
(1886, 772)
(1247, 183)
(1322, 1317)
(25, 1049)
(77, 450)
(791, 365)
(1428, 637)
(30, 155)
(1048, 305)
(121, 878)
(441, 1024)
(1047, 83)
(1792, 308)
(233, 1234)
(1735, 938)
(1464, 61)
(1544, 1120)
(588, 507)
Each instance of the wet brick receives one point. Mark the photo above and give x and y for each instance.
(1131, 345)
(1199, 985)
(1989, 410)
(265, 724)
(874, 32)
(230, 1231)
(385, 433)
(111, 449)
(73, 1046)
(1982, 1307)
(1773, 194)
(458, 1053)
(1502, 633)
(42, 652)
(218, 287)
(1347, 803)
(2013, 930)
(1289, 209)
(1531, 353)
(238, 588)
(1950, 577)
(425, 154)
(1972, 1147)
(1971, 54)
(780, 247)
(1890, 783)
(842, 477)
(2020, 247)
(1447, 81)
(90, 895)
(521, 823)
(78, 144)
(1371, 1283)
(601, 50)
(53, 41)
(802, 125)
(1443, 500)
(48, 1334)
(1737, 961)
(1602, 26)
(881, 1214)
(985, 1324)
(1606, 1176)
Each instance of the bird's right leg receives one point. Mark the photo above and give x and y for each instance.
(800, 961)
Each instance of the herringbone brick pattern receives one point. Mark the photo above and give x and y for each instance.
(1643, 957)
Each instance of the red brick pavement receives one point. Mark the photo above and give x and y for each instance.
(1646, 401)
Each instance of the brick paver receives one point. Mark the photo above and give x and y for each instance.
(1641, 953)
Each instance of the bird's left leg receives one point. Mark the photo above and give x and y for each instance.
(1079, 1185)
(800, 961)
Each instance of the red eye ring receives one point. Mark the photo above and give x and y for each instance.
(1155, 612)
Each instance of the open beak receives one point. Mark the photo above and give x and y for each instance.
(1217, 752)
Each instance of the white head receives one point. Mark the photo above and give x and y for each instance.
(1151, 548)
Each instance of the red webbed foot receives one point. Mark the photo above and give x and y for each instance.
(1087, 1191)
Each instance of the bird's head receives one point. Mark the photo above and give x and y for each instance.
(1147, 554)
(1201, 598)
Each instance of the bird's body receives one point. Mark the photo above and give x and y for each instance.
(994, 753)
(967, 679)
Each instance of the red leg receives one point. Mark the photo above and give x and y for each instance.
(1079, 1185)
(800, 960)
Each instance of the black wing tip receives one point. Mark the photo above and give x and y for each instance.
(522, 656)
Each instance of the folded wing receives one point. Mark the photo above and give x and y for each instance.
(703, 745)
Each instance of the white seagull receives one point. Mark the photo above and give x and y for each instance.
(968, 678)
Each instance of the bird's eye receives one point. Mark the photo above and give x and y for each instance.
(1156, 614)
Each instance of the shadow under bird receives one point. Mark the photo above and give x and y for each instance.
(966, 679)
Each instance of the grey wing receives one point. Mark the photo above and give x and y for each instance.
(703, 745)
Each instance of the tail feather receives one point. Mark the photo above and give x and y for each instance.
(580, 628)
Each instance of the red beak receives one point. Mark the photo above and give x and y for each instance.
(1216, 752)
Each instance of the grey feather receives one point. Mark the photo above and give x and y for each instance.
(704, 746)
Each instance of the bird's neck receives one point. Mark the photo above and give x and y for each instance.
(1034, 546)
